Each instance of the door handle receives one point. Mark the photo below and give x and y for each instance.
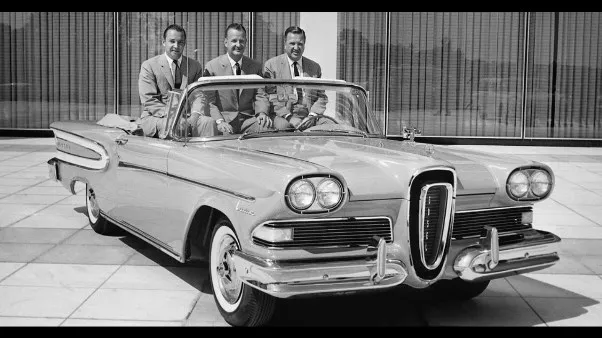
(121, 140)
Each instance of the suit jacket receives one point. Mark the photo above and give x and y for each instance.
(225, 104)
(155, 81)
(283, 98)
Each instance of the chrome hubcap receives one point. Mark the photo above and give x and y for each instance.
(229, 284)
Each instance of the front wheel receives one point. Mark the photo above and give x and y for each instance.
(238, 303)
(459, 289)
(97, 222)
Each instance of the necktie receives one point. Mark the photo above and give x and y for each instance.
(237, 73)
(299, 90)
(177, 75)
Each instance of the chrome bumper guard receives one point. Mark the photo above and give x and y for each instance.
(487, 260)
(53, 169)
(287, 279)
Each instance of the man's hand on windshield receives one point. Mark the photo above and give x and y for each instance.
(264, 120)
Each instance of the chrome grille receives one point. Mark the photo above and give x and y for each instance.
(353, 231)
(431, 221)
(434, 225)
(470, 223)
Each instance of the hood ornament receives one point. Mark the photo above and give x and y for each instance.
(409, 133)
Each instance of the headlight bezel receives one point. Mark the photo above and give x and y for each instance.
(530, 172)
(316, 206)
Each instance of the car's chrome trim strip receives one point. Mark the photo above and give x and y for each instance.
(123, 164)
(144, 236)
(100, 164)
(204, 185)
(497, 208)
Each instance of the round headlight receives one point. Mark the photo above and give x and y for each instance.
(328, 193)
(540, 183)
(301, 194)
(518, 184)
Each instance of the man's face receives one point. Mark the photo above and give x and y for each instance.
(235, 43)
(174, 44)
(294, 45)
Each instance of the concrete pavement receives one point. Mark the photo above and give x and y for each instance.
(55, 271)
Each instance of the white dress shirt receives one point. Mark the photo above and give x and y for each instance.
(292, 68)
(170, 63)
(233, 65)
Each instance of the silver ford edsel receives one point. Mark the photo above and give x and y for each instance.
(327, 207)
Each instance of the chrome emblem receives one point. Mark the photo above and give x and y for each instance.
(243, 210)
(63, 145)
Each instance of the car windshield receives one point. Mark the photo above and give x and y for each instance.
(297, 107)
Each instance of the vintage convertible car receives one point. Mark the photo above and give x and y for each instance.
(327, 207)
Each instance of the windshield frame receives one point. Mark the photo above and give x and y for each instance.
(253, 82)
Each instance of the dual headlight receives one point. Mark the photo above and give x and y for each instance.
(314, 194)
(529, 184)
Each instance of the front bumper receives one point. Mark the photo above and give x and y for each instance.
(487, 261)
(287, 279)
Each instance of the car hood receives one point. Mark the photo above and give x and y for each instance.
(380, 168)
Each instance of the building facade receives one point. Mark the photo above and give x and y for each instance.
(504, 75)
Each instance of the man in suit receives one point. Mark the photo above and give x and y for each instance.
(234, 112)
(162, 73)
(291, 103)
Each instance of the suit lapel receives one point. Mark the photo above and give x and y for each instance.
(227, 70)
(166, 70)
(284, 68)
(184, 69)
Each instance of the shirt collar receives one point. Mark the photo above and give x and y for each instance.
(232, 62)
(170, 61)
(299, 63)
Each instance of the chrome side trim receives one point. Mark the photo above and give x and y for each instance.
(445, 226)
(100, 164)
(204, 185)
(145, 237)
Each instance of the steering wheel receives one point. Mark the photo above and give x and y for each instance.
(312, 120)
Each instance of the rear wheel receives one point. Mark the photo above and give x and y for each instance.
(98, 223)
(459, 289)
(238, 303)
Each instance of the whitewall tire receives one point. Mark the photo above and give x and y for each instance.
(239, 304)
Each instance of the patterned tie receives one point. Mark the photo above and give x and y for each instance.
(177, 75)
(299, 90)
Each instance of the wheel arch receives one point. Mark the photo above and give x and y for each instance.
(199, 232)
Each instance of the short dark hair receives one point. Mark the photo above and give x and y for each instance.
(236, 26)
(175, 27)
(294, 30)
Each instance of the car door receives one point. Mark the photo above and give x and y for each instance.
(143, 181)
(141, 178)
